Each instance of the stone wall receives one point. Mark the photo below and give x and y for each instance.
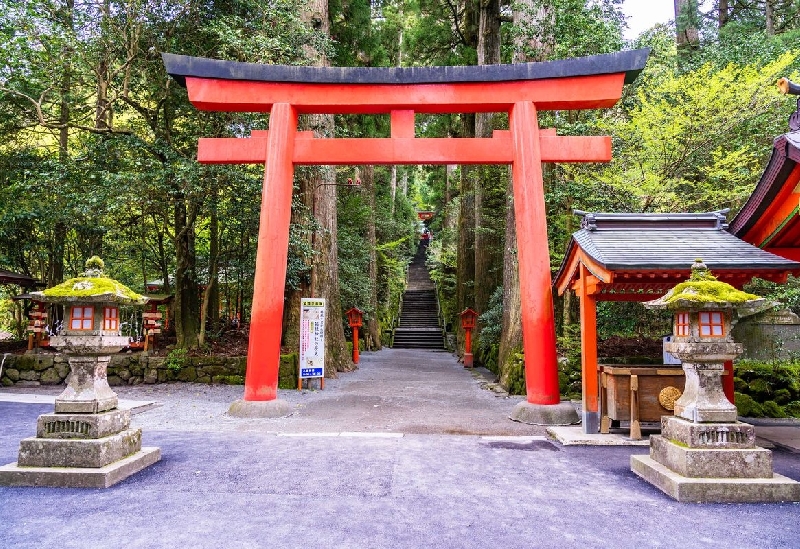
(137, 368)
(772, 335)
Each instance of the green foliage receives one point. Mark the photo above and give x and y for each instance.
(176, 359)
(746, 406)
(558, 29)
(516, 374)
(767, 389)
(627, 319)
(695, 141)
(487, 346)
(569, 370)
(787, 294)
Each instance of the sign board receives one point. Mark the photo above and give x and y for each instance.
(669, 358)
(312, 337)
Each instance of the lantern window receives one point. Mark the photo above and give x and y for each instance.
(711, 324)
(82, 318)
(110, 318)
(682, 324)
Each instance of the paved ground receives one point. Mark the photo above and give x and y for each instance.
(409, 451)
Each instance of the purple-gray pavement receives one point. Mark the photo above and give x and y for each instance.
(369, 464)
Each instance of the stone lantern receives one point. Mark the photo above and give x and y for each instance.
(87, 441)
(703, 453)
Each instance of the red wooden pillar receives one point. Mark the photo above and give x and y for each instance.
(264, 347)
(536, 296)
(727, 381)
(589, 385)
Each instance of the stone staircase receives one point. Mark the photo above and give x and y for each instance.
(419, 321)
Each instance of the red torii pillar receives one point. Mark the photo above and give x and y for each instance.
(226, 86)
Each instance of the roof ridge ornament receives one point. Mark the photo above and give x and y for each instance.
(788, 87)
(589, 221)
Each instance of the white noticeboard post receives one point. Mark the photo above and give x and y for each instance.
(312, 339)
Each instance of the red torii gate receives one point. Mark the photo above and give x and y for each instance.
(520, 90)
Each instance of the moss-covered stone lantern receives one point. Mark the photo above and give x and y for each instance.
(90, 335)
(705, 311)
(704, 454)
(88, 441)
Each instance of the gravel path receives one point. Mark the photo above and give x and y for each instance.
(405, 470)
(394, 390)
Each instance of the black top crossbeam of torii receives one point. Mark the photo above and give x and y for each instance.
(629, 62)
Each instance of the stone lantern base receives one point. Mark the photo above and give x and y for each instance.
(712, 463)
(87, 442)
(80, 451)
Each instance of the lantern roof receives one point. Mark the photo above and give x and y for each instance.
(704, 291)
(93, 286)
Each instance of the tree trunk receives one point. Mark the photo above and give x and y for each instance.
(373, 332)
(486, 246)
(187, 302)
(769, 15)
(209, 310)
(448, 221)
(686, 32)
(511, 336)
(56, 271)
(325, 282)
(526, 17)
(292, 296)
(102, 116)
(723, 13)
(465, 272)
(393, 189)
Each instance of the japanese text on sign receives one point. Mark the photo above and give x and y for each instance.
(312, 337)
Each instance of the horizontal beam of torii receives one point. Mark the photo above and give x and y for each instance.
(309, 150)
(520, 90)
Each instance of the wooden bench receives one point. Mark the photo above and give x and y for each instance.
(631, 393)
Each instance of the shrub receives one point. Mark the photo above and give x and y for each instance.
(747, 407)
(516, 374)
(773, 409)
(176, 359)
(569, 368)
(767, 389)
(793, 408)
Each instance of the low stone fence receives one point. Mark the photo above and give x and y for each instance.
(136, 368)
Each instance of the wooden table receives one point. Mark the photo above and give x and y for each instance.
(631, 393)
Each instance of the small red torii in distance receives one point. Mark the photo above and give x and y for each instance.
(519, 90)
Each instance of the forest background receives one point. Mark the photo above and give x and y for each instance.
(98, 148)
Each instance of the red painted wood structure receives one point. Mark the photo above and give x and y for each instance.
(521, 90)
(639, 257)
(355, 318)
(468, 318)
(770, 219)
